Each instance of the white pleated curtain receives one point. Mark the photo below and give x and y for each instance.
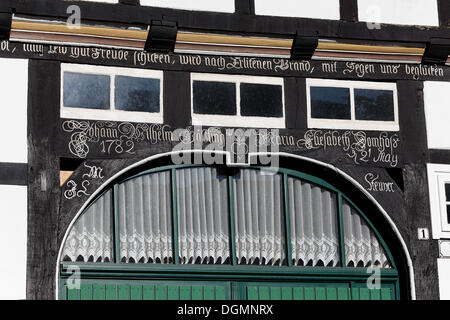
(313, 220)
(203, 216)
(259, 218)
(362, 248)
(145, 219)
(145, 222)
(90, 238)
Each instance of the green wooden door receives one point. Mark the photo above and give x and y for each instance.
(192, 290)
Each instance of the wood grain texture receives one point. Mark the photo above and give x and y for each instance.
(43, 178)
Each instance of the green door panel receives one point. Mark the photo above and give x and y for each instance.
(147, 290)
(386, 291)
(318, 291)
(92, 289)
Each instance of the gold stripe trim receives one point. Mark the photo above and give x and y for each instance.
(237, 40)
(85, 30)
(367, 48)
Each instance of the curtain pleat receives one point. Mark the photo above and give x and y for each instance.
(259, 218)
(89, 239)
(203, 216)
(362, 248)
(313, 219)
(144, 205)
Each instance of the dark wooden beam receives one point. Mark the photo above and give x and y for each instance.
(43, 178)
(444, 12)
(349, 10)
(439, 156)
(13, 173)
(244, 6)
(130, 2)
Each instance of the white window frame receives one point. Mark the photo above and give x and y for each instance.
(438, 177)
(112, 114)
(237, 120)
(352, 124)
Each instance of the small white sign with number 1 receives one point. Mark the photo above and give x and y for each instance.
(423, 234)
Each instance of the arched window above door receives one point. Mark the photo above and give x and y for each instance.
(249, 217)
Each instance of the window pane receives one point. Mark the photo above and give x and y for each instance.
(137, 94)
(447, 191)
(203, 216)
(145, 219)
(261, 100)
(90, 238)
(259, 218)
(362, 248)
(330, 103)
(314, 231)
(86, 90)
(448, 213)
(377, 105)
(214, 97)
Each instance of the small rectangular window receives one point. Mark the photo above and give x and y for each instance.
(330, 103)
(357, 105)
(137, 94)
(110, 93)
(447, 192)
(211, 97)
(375, 105)
(447, 201)
(261, 100)
(237, 101)
(86, 91)
(448, 213)
(439, 196)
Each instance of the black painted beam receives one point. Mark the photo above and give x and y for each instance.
(43, 178)
(161, 36)
(244, 6)
(130, 2)
(177, 100)
(439, 156)
(5, 25)
(303, 48)
(437, 52)
(444, 12)
(13, 173)
(349, 10)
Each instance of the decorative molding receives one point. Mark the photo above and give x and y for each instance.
(58, 32)
(164, 36)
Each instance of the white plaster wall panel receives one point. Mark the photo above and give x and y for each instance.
(200, 5)
(13, 236)
(13, 110)
(319, 9)
(437, 114)
(444, 278)
(406, 12)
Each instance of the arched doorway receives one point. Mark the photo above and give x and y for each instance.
(240, 233)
